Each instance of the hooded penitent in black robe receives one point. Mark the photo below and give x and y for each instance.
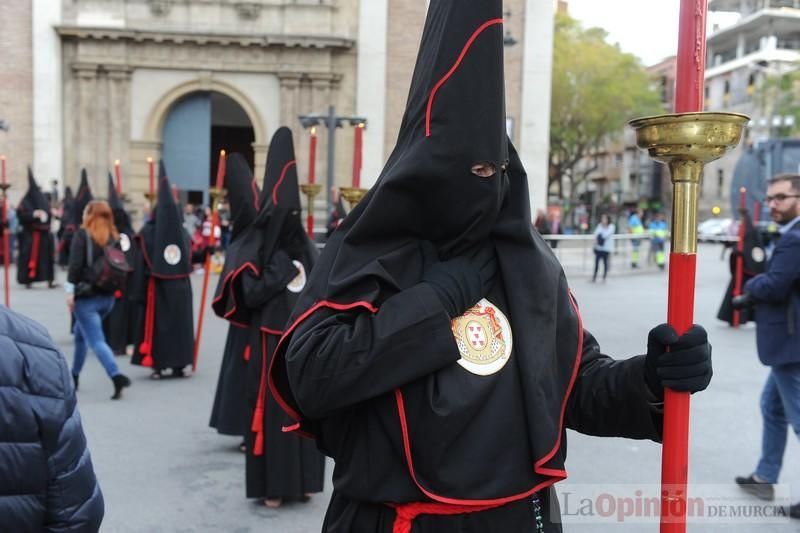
(754, 262)
(427, 423)
(67, 216)
(230, 410)
(272, 269)
(36, 258)
(161, 288)
(75, 221)
(119, 324)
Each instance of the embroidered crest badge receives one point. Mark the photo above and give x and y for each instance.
(299, 281)
(124, 242)
(484, 339)
(172, 254)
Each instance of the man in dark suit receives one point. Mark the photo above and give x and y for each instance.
(776, 295)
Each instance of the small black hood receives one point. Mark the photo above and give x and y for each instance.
(243, 194)
(122, 219)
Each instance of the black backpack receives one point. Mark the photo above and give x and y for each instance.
(110, 272)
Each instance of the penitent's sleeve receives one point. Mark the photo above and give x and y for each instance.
(336, 359)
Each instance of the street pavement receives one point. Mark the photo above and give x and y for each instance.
(162, 469)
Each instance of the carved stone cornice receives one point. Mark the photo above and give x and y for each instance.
(265, 41)
(160, 8)
(248, 10)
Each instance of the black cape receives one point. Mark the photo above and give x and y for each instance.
(372, 366)
(36, 257)
(161, 287)
(119, 324)
(229, 414)
(67, 224)
(754, 263)
(276, 258)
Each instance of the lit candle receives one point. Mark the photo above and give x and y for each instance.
(221, 170)
(3, 163)
(312, 157)
(118, 173)
(357, 155)
(151, 163)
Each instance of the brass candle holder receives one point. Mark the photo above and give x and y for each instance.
(311, 190)
(353, 195)
(686, 142)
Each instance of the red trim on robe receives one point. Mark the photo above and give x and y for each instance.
(33, 262)
(453, 69)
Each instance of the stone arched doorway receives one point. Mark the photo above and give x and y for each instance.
(196, 127)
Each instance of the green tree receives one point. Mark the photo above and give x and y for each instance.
(779, 96)
(596, 89)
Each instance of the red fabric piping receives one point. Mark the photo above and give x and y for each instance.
(229, 278)
(254, 187)
(555, 474)
(272, 388)
(146, 347)
(257, 424)
(453, 69)
(286, 168)
(33, 262)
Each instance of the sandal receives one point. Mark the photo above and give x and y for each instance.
(273, 503)
(156, 375)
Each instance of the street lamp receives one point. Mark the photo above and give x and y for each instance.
(331, 121)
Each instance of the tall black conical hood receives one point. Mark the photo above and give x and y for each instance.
(169, 254)
(280, 189)
(82, 199)
(243, 194)
(122, 219)
(34, 198)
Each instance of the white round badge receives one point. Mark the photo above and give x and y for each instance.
(484, 339)
(758, 254)
(299, 281)
(124, 242)
(172, 254)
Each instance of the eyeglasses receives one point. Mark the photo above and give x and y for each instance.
(781, 197)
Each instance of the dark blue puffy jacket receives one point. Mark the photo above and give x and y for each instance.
(46, 478)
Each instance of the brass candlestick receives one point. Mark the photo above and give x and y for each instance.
(353, 195)
(686, 142)
(311, 190)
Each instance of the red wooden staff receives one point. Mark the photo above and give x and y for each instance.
(739, 270)
(689, 94)
(6, 248)
(212, 240)
(312, 173)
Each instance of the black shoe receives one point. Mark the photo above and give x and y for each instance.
(120, 382)
(794, 510)
(760, 489)
(75, 380)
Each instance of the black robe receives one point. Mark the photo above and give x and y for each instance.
(36, 257)
(229, 414)
(271, 266)
(462, 417)
(72, 218)
(66, 229)
(119, 324)
(753, 263)
(161, 288)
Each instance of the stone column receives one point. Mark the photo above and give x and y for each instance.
(320, 102)
(290, 83)
(119, 112)
(80, 152)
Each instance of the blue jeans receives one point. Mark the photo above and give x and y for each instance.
(89, 314)
(780, 408)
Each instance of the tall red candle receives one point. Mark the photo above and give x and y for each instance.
(118, 173)
(152, 175)
(312, 157)
(359, 141)
(221, 169)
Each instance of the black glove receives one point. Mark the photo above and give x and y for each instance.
(685, 368)
(462, 281)
(741, 301)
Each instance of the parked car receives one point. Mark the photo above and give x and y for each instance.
(713, 228)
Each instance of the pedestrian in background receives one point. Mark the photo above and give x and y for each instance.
(48, 482)
(635, 227)
(89, 303)
(603, 245)
(776, 295)
(658, 238)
